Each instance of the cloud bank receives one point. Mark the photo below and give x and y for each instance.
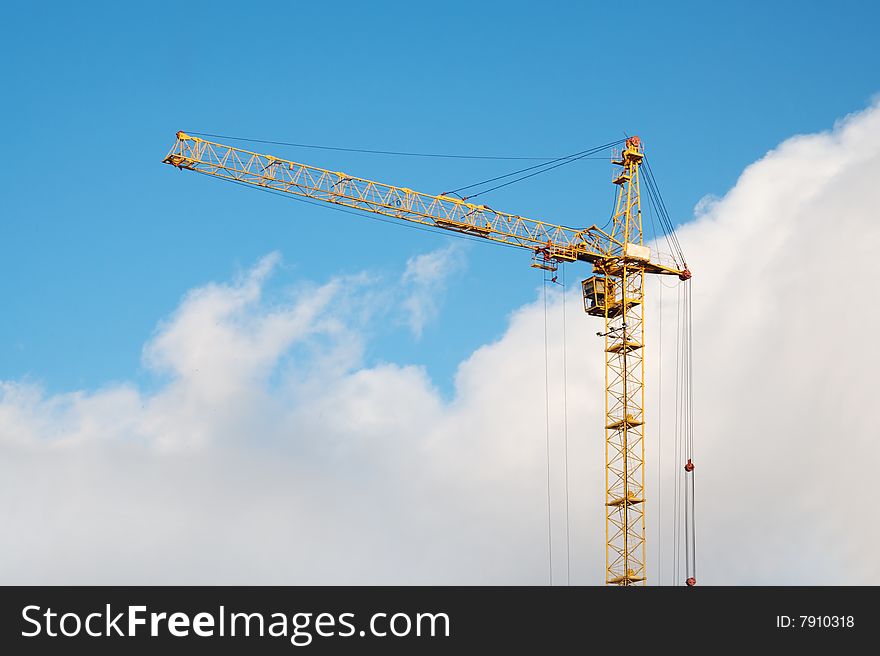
(271, 453)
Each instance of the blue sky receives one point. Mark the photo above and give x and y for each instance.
(100, 240)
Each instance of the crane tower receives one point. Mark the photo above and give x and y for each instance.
(615, 292)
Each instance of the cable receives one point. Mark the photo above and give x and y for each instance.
(668, 231)
(689, 287)
(651, 212)
(565, 432)
(656, 196)
(368, 151)
(560, 161)
(660, 434)
(676, 456)
(547, 421)
(660, 205)
(684, 440)
(608, 223)
(690, 510)
(657, 190)
(530, 175)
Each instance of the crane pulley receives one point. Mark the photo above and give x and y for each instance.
(615, 292)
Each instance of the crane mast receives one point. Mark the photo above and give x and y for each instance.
(622, 307)
(615, 292)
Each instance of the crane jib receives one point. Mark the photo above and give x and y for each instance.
(446, 212)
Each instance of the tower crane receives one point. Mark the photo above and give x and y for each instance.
(614, 292)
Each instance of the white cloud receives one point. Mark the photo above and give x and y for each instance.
(427, 276)
(272, 454)
(785, 361)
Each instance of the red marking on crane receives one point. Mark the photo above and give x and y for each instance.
(689, 467)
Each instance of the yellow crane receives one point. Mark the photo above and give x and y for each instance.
(615, 292)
